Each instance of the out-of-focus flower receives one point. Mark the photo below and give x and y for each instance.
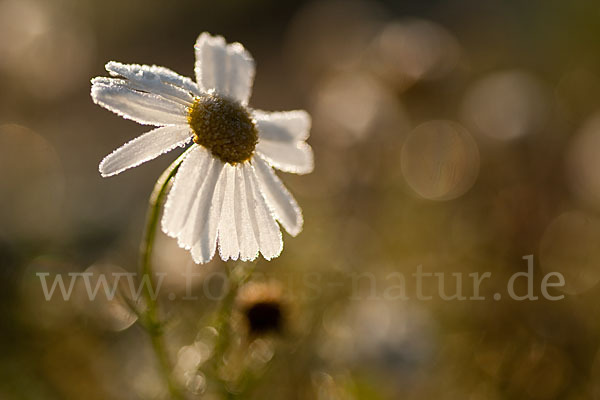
(225, 190)
(262, 308)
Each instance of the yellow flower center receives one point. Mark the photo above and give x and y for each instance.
(224, 127)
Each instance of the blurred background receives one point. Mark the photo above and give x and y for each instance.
(456, 135)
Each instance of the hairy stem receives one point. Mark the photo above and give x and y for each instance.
(151, 319)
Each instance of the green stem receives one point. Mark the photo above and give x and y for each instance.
(222, 325)
(151, 321)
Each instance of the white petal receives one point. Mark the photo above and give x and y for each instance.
(145, 108)
(288, 157)
(169, 76)
(266, 230)
(175, 79)
(144, 148)
(280, 201)
(185, 190)
(199, 232)
(226, 69)
(240, 73)
(145, 78)
(211, 58)
(227, 233)
(207, 222)
(202, 195)
(288, 126)
(244, 227)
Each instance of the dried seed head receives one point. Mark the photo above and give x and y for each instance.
(224, 127)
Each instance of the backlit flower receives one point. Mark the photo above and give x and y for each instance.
(225, 191)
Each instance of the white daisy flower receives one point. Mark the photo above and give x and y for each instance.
(225, 191)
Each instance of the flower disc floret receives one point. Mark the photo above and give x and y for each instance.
(224, 127)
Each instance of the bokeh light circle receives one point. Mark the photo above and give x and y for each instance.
(583, 163)
(440, 160)
(32, 186)
(505, 105)
(570, 246)
(352, 106)
(103, 296)
(407, 51)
